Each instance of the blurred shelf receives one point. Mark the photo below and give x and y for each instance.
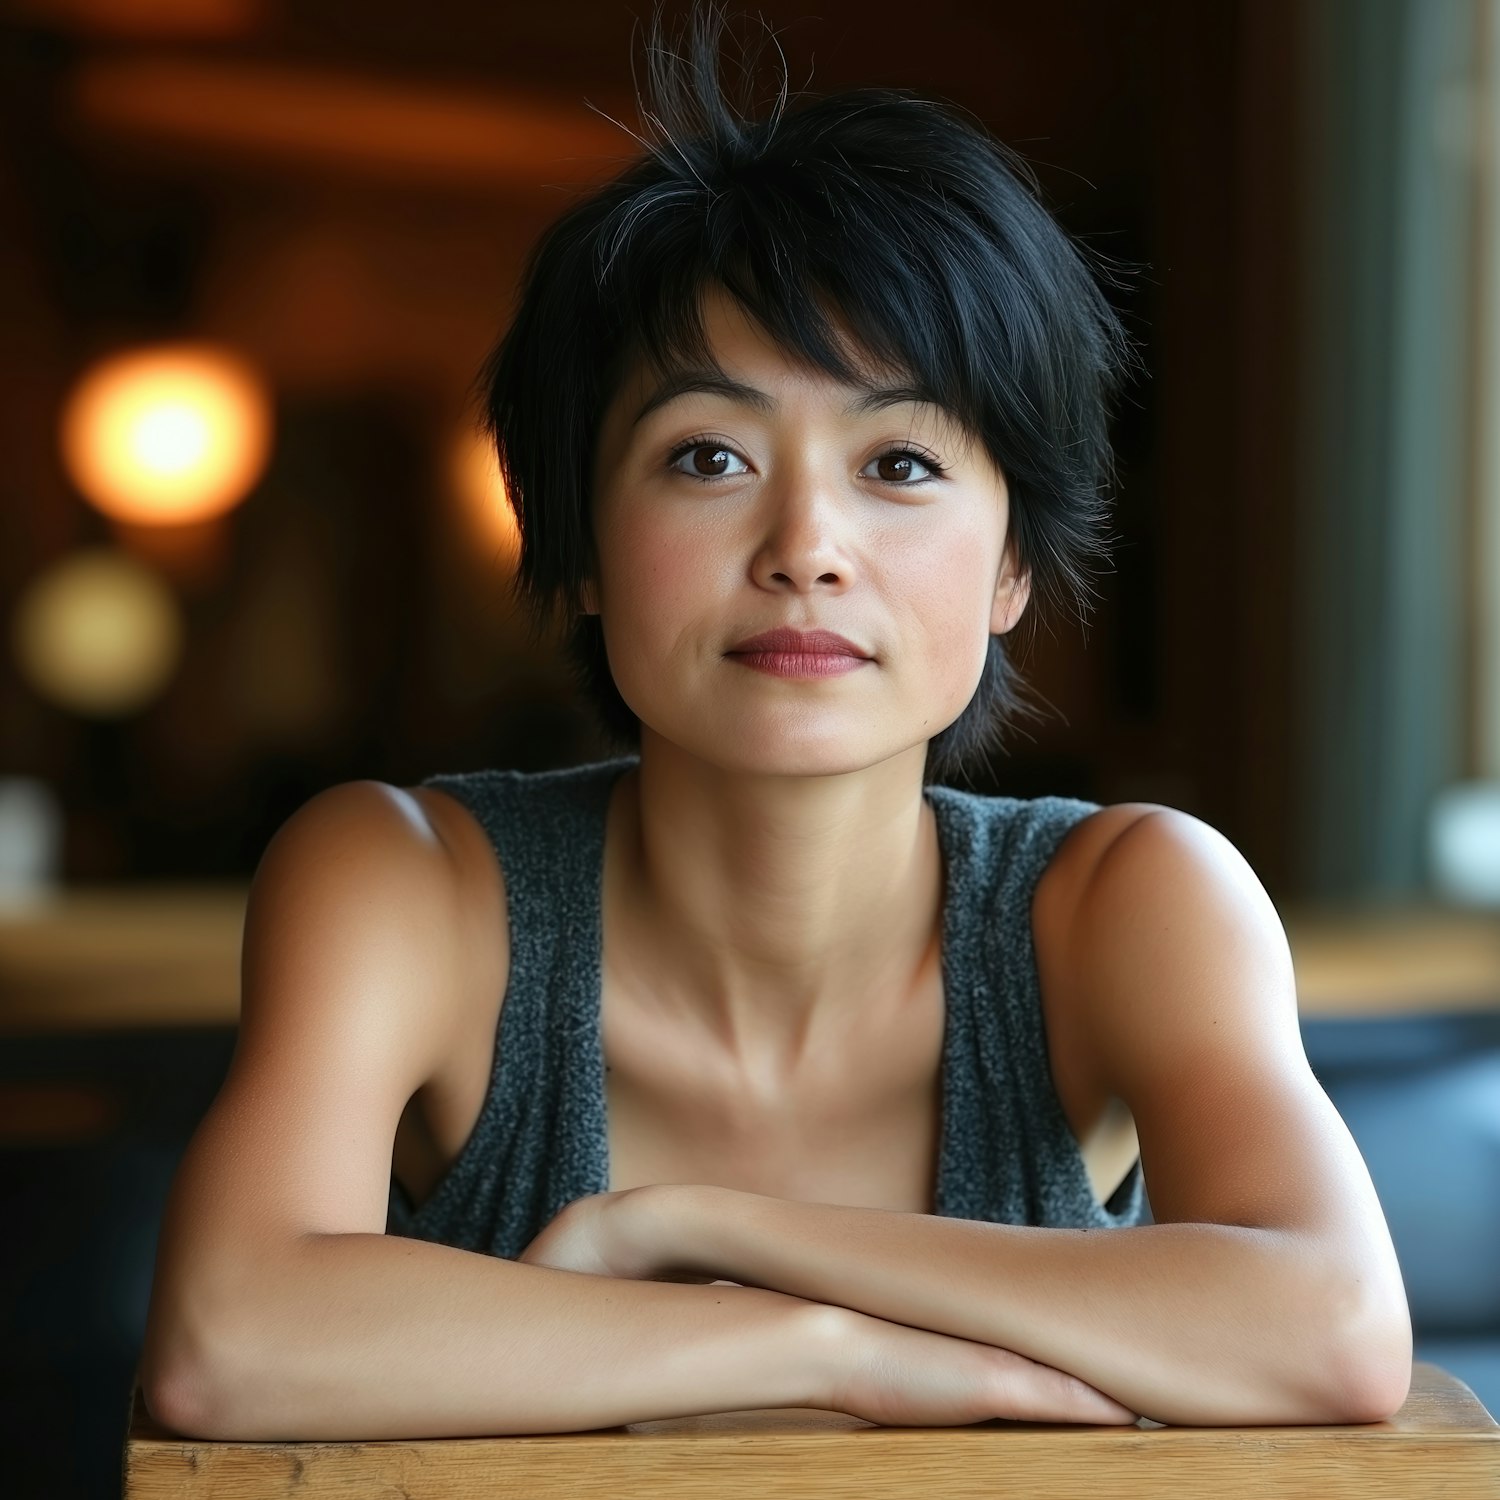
(1394, 961)
(120, 957)
(116, 957)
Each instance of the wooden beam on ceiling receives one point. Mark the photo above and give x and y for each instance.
(310, 120)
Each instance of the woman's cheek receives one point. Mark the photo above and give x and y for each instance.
(955, 615)
(667, 602)
(659, 599)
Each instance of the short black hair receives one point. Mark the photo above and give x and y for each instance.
(899, 213)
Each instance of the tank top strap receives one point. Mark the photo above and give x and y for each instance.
(540, 1140)
(1008, 1153)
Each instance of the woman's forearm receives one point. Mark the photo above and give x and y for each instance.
(1187, 1323)
(366, 1336)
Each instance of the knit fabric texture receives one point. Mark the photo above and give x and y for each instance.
(1007, 1154)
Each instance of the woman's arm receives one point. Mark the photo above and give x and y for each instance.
(367, 1336)
(1197, 1324)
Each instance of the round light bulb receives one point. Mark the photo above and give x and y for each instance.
(167, 435)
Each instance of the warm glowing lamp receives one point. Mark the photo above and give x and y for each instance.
(167, 435)
(97, 633)
(475, 474)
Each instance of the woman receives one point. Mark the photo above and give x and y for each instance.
(752, 1067)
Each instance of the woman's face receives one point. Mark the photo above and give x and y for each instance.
(717, 518)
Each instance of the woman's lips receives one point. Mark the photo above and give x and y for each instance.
(800, 642)
(800, 663)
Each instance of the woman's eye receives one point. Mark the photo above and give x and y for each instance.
(898, 460)
(716, 453)
(903, 459)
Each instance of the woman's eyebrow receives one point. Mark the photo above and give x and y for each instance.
(714, 382)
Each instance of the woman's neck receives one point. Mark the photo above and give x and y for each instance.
(778, 912)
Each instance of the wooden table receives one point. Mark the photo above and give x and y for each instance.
(1442, 1442)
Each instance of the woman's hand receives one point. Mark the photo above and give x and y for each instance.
(584, 1236)
(901, 1376)
(630, 1234)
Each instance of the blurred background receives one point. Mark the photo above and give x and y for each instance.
(251, 255)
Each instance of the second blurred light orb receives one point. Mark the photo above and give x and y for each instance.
(167, 434)
(97, 633)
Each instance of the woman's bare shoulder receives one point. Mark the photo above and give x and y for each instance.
(1076, 858)
(478, 891)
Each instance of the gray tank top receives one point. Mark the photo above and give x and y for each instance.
(1007, 1154)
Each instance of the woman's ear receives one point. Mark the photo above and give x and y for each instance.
(589, 599)
(1012, 591)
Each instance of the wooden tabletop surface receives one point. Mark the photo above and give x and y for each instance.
(1442, 1442)
(168, 955)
